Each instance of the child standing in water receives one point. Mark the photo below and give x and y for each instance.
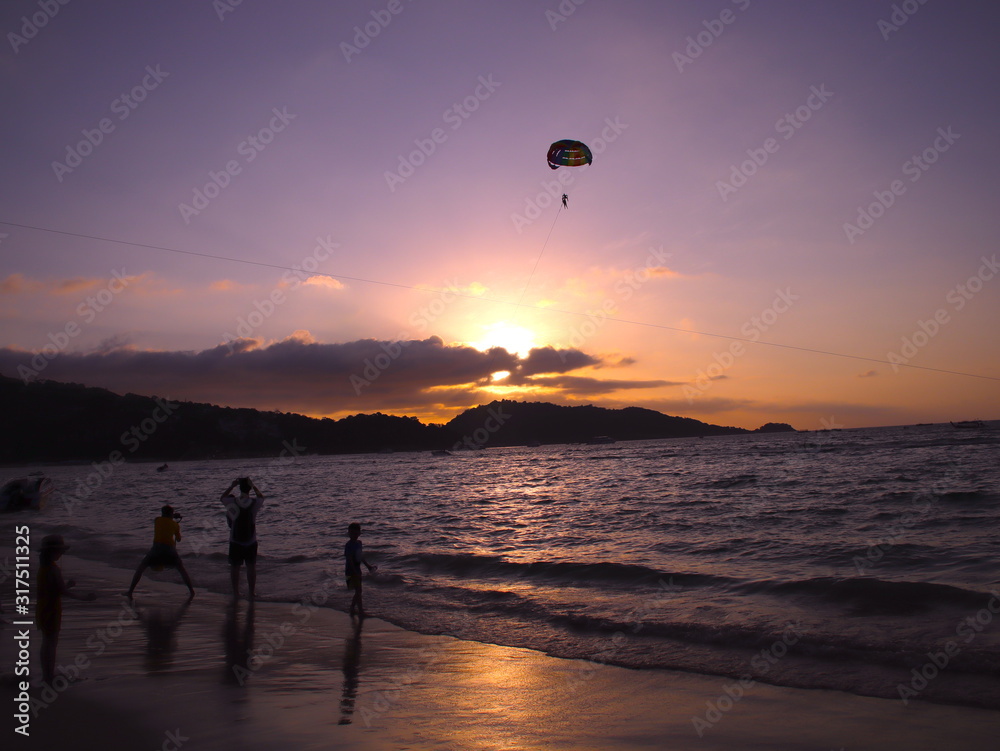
(48, 606)
(354, 557)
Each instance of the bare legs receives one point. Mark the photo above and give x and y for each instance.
(234, 578)
(48, 654)
(356, 602)
(136, 578)
(143, 566)
(185, 577)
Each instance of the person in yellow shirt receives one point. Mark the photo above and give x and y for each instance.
(163, 553)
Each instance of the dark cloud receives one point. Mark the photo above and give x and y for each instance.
(552, 360)
(300, 375)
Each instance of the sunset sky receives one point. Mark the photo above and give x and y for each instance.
(334, 208)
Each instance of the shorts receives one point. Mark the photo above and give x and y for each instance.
(354, 582)
(239, 554)
(162, 555)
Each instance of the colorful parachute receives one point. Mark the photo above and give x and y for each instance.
(567, 153)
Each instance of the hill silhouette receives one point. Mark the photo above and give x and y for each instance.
(510, 423)
(49, 421)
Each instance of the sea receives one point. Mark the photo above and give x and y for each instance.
(862, 560)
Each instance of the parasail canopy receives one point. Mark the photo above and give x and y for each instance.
(569, 153)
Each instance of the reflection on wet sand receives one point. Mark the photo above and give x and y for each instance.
(161, 626)
(352, 670)
(238, 644)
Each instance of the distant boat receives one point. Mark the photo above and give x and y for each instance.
(969, 425)
(163, 468)
(533, 444)
(441, 452)
(599, 439)
(26, 493)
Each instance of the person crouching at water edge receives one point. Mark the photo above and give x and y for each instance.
(163, 553)
(354, 557)
(48, 605)
(241, 515)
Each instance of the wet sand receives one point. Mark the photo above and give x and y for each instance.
(170, 674)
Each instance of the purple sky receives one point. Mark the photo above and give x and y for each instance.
(723, 202)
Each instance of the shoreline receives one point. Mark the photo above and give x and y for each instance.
(203, 674)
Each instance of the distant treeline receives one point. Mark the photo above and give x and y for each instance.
(47, 421)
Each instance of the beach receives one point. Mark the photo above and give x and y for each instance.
(168, 673)
(834, 562)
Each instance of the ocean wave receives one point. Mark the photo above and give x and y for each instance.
(871, 595)
(466, 565)
(967, 496)
(736, 481)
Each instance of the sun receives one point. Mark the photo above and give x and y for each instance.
(512, 337)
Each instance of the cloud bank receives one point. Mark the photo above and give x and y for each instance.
(300, 374)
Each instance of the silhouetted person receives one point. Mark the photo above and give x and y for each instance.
(353, 558)
(241, 515)
(48, 602)
(163, 553)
